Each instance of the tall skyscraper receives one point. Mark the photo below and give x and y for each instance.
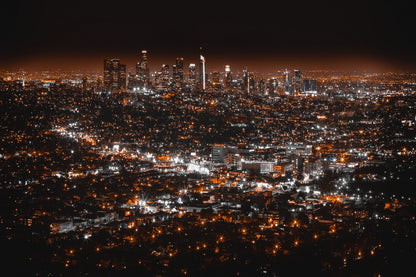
(228, 77)
(202, 72)
(246, 83)
(273, 85)
(142, 70)
(123, 77)
(288, 82)
(251, 83)
(192, 75)
(306, 86)
(114, 75)
(177, 73)
(165, 76)
(216, 82)
(262, 86)
(312, 85)
(297, 80)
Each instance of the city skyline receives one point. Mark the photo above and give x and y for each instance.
(216, 138)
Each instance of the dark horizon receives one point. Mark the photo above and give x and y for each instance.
(263, 36)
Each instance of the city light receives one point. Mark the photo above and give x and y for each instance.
(170, 172)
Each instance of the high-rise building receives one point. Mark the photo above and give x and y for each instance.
(272, 85)
(192, 75)
(262, 86)
(309, 86)
(312, 85)
(202, 72)
(216, 82)
(297, 80)
(306, 86)
(165, 76)
(228, 77)
(288, 82)
(177, 73)
(246, 85)
(114, 75)
(142, 70)
(251, 83)
(123, 77)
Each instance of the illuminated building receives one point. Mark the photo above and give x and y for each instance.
(114, 75)
(142, 70)
(228, 77)
(312, 85)
(177, 73)
(262, 86)
(192, 75)
(306, 86)
(309, 86)
(202, 72)
(288, 82)
(246, 77)
(162, 78)
(165, 76)
(123, 77)
(297, 80)
(216, 82)
(251, 83)
(272, 85)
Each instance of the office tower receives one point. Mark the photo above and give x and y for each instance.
(251, 83)
(202, 72)
(192, 73)
(228, 77)
(108, 73)
(165, 76)
(142, 70)
(288, 82)
(174, 72)
(312, 85)
(216, 82)
(297, 80)
(246, 85)
(123, 77)
(272, 85)
(262, 86)
(177, 73)
(306, 86)
(132, 82)
(114, 75)
(179, 66)
(22, 79)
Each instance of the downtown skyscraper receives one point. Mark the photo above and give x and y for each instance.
(142, 70)
(177, 73)
(114, 75)
(202, 72)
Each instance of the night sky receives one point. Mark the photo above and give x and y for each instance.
(261, 34)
